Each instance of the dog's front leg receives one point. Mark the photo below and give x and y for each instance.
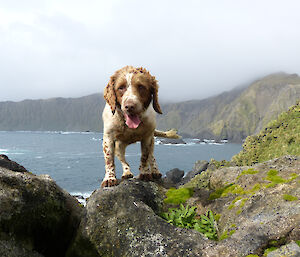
(109, 157)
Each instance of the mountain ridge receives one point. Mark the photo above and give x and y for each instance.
(236, 114)
(231, 115)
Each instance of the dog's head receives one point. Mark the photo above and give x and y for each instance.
(132, 90)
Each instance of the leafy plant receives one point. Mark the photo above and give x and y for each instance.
(185, 217)
(207, 225)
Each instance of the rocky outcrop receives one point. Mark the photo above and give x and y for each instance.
(199, 166)
(124, 221)
(257, 205)
(37, 218)
(172, 141)
(291, 250)
(252, 203)
(5, 162)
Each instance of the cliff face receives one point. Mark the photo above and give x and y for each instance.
(236, 114)
(55, 114)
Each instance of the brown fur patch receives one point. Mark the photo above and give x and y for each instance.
(144, 85)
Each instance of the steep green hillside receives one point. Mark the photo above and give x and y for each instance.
(280, 137)
(55, 114)
(236, 114)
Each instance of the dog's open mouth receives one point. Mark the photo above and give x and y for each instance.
(132, 121)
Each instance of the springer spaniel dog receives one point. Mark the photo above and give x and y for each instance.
(130, 116)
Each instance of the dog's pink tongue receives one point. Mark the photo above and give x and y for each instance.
(132, 121)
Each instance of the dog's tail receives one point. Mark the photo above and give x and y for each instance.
(172, 133)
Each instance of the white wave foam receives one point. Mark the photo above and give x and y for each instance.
(96, 139)
(187, 144)
(81, 196)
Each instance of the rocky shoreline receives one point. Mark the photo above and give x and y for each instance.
(39, 219)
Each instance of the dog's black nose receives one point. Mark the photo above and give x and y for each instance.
(129, 108)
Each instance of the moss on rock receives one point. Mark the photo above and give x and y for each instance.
(178, 196)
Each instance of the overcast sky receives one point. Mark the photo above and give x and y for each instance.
(69, 48)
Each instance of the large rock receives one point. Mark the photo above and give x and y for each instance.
(174, 175)
(5, 162)
(123, 221)
(37, 218)
(199, 166)
(257, 205)
(290, 250)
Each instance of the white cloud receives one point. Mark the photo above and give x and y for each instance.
(194, 48)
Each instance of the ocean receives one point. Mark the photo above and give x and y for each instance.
(76, 162)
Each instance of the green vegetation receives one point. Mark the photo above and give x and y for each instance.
(247, 172)
(185, 217)
(280, 137)
(272, 176)
(268, 250)
(227, 234)
(219, 164)
(221, 192)
(178, 196)
(298, 242)
(290, 197)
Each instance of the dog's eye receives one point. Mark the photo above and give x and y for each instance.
(122, 88)
(141, 87)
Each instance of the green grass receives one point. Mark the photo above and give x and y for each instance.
(268, 250)
(280, 137)
(178, 196)
(290, 197)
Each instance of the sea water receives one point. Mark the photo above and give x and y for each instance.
(76, 162)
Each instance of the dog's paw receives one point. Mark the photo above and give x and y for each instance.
(156, 175)
(146, 177)
(109, 182)
(127, 175)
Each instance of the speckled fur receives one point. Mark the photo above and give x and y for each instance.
(117, 135)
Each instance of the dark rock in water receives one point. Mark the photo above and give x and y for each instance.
(37, 218)
(165, 141)
(199, 166)
(5, 162)
(123, 221)
(175, 175)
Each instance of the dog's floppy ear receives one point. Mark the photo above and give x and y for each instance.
(110, 94)
(156, 105)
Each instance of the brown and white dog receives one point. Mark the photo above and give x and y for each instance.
(129, 116)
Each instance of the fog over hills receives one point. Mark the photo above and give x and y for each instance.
(232, 115)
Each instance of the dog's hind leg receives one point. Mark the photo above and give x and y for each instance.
(145, 173)
(153, 165)
(120, 153)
